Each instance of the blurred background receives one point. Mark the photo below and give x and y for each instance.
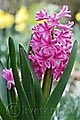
(17, 17)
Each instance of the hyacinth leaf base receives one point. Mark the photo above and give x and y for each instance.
(29, 90)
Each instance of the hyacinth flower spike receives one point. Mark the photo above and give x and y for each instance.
(51, 44)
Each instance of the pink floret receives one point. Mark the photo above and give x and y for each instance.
(42, 15)
(7, 74)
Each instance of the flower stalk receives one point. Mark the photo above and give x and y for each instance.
(47, 83)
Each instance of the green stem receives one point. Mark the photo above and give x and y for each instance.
(47, 83)
(13, 95)
(12, 102)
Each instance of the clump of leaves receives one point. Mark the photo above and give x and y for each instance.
(30, 101)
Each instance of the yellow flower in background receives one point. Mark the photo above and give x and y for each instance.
(9, 20)
(20, 27)
(21, 15)
(77, 16)
(6, 19)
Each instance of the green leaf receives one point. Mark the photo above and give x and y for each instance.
(49, 107)
(21, 93)
(26, 78)
(37, 87)
(3, 112)
(3, 86)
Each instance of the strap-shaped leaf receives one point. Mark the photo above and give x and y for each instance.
(20, 90)
(26, 78)
(49, 107)
(37, 87)
(3, 112)
(3, 87)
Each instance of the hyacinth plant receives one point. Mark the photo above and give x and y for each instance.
(26, 91)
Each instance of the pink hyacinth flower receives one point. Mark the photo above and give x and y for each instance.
(7, 74)
(51, 43)
(42, 15)
(64, 12)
